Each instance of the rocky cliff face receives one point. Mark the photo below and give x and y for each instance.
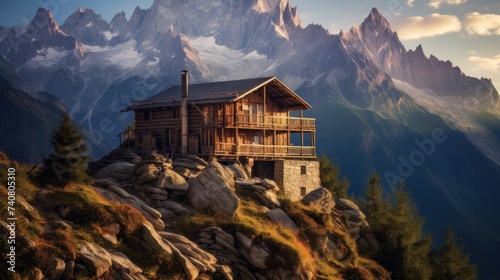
(42, 38)
(148, 217)
(376, 38)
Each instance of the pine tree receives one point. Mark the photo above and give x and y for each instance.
(405, 250)
(450, 262)
(68, 161)
(375, 206)
(329, 175)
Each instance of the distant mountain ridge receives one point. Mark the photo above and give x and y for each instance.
(372, 98)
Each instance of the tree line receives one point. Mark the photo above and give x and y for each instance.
(406, 250)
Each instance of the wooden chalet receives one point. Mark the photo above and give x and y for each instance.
(248, 120)
(225, 119)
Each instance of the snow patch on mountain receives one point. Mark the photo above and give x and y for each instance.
(48, 56)
(458, 113)
(108, 35)
(124, 55)
(230, 64)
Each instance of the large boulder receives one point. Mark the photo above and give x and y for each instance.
(255, 252)
(320, 199)
(121, 262)
(152, 240)
(213, 190)
(170, 180)
(147, 173)
(94, 257)
(119, 171)
(280, 217)
(345, 204)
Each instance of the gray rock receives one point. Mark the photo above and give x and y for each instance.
(213, 190)
(167, 214)
(121, 262)
(197, 159)
(270, 184)
(188, 164)
(161, 197)
(170, 180)
(95, 258)
(320, 199)
(267, 198)
(176, 207)
(239, 171)
(225, 271)
(119, 170)
(153, 239)
(357, 214)
(190, 250)
(186, 172)
(345, 204)
(155, 190)
(257, 255)
(151, 211)
(147, 173)
(191, 271)
(280, 217)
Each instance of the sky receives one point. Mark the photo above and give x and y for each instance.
(466, 32)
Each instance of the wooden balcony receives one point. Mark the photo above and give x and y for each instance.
(229, 149)
(268, 122)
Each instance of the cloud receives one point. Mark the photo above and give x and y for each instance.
(433, 25)
(410, 3)
(437, 3)
(482, 24)
(486, 63)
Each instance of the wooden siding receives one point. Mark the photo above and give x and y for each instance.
(255, 125)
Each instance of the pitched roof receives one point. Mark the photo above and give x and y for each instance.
(223, 92)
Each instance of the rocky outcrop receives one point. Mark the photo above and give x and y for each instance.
(213, 190)
(114, 193)
(278, 216)
(99, 261)
(320, 199)
(359, 227)
(265, 190)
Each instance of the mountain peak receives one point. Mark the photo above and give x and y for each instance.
(376, 20)
(44, 17)
(266, 6)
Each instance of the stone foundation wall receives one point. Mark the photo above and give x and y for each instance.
(288, 174)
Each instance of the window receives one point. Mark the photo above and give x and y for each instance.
(303, 169)
(303, 191)
(147, 115)
(258, 140)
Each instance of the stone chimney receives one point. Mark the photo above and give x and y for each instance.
(184, 113)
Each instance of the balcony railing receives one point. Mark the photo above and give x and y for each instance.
(260, 150)
(270, 122)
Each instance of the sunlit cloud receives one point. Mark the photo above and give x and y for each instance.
(433, 25)
(410, 3)
(486, 63)
(482, 24)
(437, 3)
